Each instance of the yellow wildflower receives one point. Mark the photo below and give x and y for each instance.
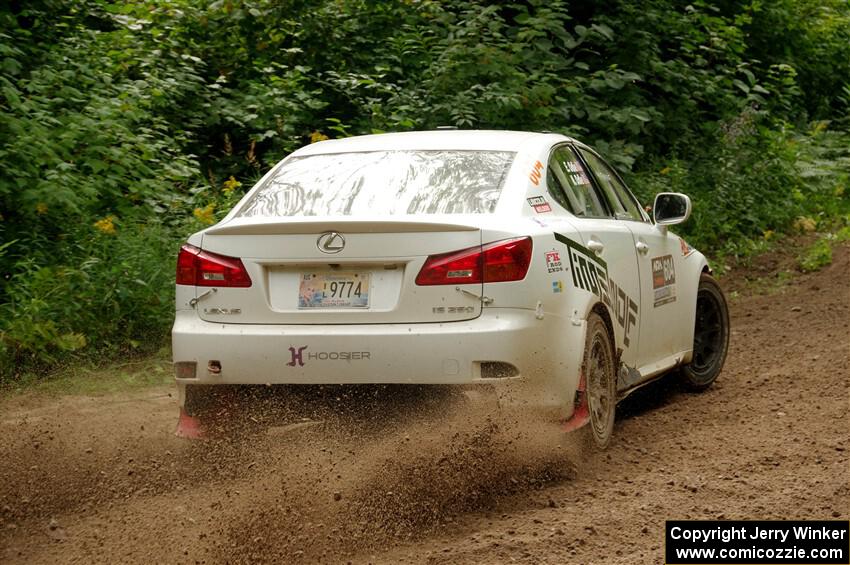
(317, 136)
(805, 224)
(665, 170)
(106, 225)
(767, 234)
(230, 185)
(205, 214)
(41, 208)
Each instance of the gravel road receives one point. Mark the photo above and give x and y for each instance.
(390, 475)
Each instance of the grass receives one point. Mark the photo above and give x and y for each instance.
(88, 380)
(819, 254)
(768, 285)
(807, 252)
(816, 256)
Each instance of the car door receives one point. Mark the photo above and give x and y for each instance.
(604, 262)
(659, 256)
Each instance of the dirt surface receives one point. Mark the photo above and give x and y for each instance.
(389, 475)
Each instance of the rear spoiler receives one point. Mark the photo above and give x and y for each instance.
(311, 225)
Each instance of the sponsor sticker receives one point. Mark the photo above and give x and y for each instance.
(589, 272)
(663, 280)
(557, 287)
(576, 173)
(534, 175)
(297, 354)
(553, 262)
(539, 204)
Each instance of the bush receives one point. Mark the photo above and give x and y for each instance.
(754, 181)
(111, 293)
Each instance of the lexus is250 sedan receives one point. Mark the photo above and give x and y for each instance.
(448, 257)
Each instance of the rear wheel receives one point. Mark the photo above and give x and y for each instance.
(600, 378)
(711, 336)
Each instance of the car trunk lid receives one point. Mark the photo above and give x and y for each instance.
(337, 271)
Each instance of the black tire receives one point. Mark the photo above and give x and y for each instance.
(711, 336)
(599, 370)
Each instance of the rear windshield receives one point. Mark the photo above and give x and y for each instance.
(383, 182)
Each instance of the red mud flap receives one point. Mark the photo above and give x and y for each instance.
(581, 414)
(188, 427)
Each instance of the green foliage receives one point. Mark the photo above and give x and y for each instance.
(843, 234)
(89, 133)
(753, 182)
(125, 125)
(812, 37)
(817, 256)
(111, 293)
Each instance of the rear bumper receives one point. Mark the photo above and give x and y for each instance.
(431, 353)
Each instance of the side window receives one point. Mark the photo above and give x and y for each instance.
(622, 202)
(572, 179)
(556, 189)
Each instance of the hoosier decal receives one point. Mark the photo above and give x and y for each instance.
(590, 273)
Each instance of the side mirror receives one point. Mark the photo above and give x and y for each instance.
(671, 208)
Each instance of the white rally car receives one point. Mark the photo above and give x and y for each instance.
(452, 257)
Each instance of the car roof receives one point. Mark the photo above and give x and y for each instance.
(459, 140)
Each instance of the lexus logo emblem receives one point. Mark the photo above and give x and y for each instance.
(330, 242)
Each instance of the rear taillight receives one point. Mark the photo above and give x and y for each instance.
(202, 268)
(507, 260)
(499, 261)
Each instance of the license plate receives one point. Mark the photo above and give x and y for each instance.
(334, 290)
